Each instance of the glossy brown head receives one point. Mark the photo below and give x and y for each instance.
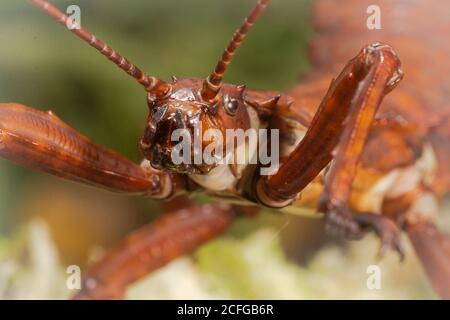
(195, 106)
(183, 116)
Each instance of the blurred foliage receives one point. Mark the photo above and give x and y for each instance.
(253, 267)
(29, 265)
(257, 268)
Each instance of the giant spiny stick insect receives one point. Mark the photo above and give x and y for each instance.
(360, 163)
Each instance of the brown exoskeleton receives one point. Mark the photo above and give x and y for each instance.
(360, 165)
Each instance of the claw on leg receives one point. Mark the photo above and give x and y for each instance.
(342, 225)
(388, 232)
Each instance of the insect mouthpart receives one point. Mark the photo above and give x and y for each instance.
(168, 140)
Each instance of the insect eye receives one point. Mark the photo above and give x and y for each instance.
(230, 105)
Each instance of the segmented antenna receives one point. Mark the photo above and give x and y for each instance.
(212, 84)
(151, 84)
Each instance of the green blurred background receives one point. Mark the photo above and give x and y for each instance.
(46, 67)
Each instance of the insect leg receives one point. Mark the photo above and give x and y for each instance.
(153, 246)
(433, 249)
(343, 119)
(338, 132)
(416, 210)
(42, 141)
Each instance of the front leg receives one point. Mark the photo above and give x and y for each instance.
(351, 142)
(338, 132)
(42, 141)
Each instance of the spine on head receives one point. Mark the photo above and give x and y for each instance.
(212, 84)
(151, 84)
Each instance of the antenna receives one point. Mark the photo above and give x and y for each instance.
(151, 84)
(212, 84)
